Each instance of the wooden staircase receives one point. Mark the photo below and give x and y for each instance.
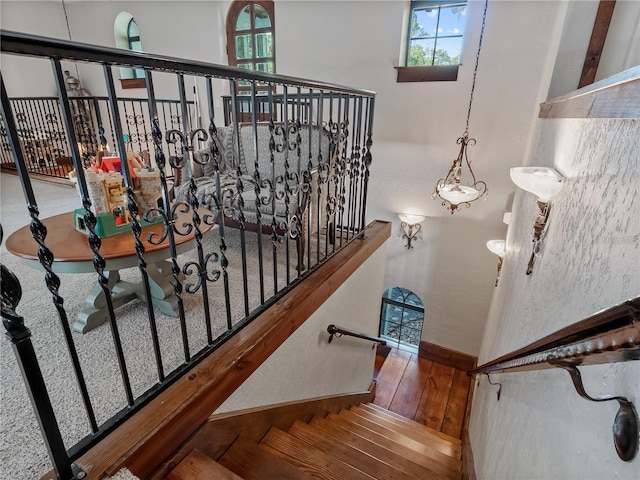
(362, 442)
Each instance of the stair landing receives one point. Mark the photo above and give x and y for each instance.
(428, 392)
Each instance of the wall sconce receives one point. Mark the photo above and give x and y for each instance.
(497, 247)
(544, 183)
(410, 226)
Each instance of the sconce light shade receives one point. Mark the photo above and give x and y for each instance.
(543, 182)
(497, 247)
(411, 219)
(410, 226)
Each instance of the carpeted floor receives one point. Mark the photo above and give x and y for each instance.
(22, 451)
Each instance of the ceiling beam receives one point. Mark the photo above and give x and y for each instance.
(596, 43)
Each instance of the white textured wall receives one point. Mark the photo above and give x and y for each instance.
(590, 261)
(306, 365)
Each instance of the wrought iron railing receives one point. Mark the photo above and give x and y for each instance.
(337, 331)
(262, 201)
(44, 139)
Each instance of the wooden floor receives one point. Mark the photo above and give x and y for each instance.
(428, 392)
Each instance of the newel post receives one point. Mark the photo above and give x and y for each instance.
(20, 338)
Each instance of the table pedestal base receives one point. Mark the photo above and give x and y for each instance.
(95, 312)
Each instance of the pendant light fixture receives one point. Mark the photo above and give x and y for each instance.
(461, 187)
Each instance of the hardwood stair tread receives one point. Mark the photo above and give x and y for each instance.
(252, 462)
(420, 444)
(418, 452)
(309, 459)
(197, 466)
(434, 441)
(341, 449)
(413, 464)
(404, 422)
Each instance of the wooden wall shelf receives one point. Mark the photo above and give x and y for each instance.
(617, 96)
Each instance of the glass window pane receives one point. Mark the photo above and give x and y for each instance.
(136, 46)
(448, 51)
(452, 20)
(132, 31)
(244, 47)
(424, 22)
(244, 20)
(264, 45)
(265, 67)
(420, 53)
(246, 66)
(262, 17)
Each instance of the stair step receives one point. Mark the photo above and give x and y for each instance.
(352, 421)
(426, 438)
(404, 422)
(197, 465)
(340, 449)
(373, 406)
(309, 459)
(411, 463)
(252, 462)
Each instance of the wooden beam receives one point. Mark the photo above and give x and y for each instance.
(596, 43)
(167, 421)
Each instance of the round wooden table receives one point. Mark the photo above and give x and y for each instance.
(72, 254)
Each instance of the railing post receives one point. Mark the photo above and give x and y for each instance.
(20, 338)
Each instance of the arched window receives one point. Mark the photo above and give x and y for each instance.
(127, 36)
(402, 317)
(251, 35)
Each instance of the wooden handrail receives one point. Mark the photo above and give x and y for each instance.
(611, 335)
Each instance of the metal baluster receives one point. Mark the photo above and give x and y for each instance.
(90, 221)
(188, 142)
(59, 136)
(240, 188)
(138, 120)
(167, 212)
(320, 173)
(42, 146)
(367, 159)
(33, 138)
(343, 169)
(145, 131)
(350, 171)
(287, 179)
(275, 239)
(45, 255)
(357, 180)
(136, 227)
(307, 177)
(224, 262)
(335, 170)
(113, 134)
(257, 188)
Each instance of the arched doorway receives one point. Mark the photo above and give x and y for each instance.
(401, 318)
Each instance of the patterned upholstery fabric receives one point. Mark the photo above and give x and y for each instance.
(293, 147)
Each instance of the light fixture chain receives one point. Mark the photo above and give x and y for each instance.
(66, 19)
(475, 70)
